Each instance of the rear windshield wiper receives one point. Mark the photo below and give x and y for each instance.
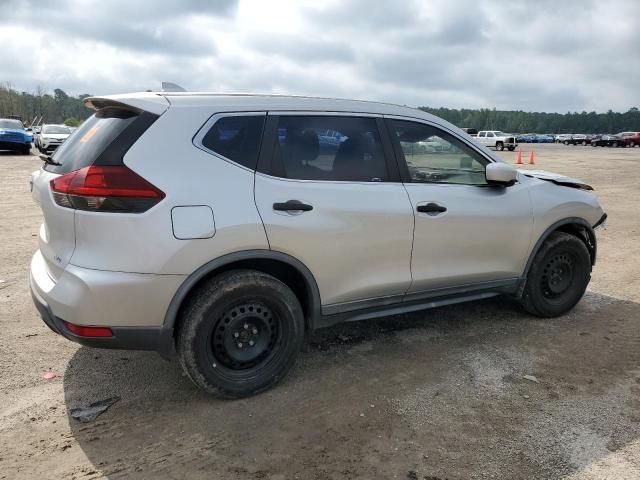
(48, 160)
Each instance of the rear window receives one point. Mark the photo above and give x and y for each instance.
(103, 139)
(4, 123)
(236, 138)
(56, 129)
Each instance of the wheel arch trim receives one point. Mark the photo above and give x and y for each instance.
(590, 242)
(192, 280)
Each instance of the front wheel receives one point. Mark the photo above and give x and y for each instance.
(558, 276)
(500, 146)
(240, 333)
(614, 144)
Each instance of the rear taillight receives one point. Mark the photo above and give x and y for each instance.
(105, 189)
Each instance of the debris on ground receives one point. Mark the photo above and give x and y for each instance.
(531, 378)
(91, 412)
(412, 475)
(49, 375)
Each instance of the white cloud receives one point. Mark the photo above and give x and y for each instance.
(542, 56)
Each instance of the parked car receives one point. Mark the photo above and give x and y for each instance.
(542, 138)
(51, 137)
(609, 140)
(471, 131)
(576, 139)
(525, 138)
(496, 139)
(13, 136)
(631, 139)
(212, 228)
(562, 137)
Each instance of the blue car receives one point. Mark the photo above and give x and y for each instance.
(526, 138)
(544, 138)
(13, 136)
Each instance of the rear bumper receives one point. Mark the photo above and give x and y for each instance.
(124, 338)
(132, 305)
(14, 145)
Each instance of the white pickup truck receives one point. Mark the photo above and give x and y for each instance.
(496, 139)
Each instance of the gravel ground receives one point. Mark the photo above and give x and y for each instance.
(472, 391)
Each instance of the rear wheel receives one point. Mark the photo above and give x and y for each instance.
(558, 276)
(511, 149)
(499, 146)
(566, 142)
(26, 150)
(584, 143)
(240, 333)
(614, 144)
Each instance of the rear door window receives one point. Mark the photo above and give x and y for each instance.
(102, 139)
(333, 148)
(236, 138)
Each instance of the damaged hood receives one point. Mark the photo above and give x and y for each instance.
(557, 179)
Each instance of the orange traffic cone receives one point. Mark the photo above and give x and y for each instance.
(532, 157)
(519, 160)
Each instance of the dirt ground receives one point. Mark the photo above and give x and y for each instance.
(439, 394)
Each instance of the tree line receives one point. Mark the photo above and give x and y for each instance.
(60, 107)
(539, 122)
(54, 108)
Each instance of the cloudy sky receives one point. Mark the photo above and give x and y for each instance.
(531, 55)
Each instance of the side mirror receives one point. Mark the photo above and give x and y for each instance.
(501, 174)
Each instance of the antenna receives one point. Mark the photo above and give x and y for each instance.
(172, 87)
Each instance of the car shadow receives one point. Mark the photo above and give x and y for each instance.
(447, 392)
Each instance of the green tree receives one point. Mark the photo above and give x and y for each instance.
(72, 122)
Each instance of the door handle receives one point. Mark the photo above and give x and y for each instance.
(292, 206)
(431, 208)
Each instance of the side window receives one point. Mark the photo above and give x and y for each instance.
(434, 156)
(329, 148)
(236, 138)
(490, 134)
(482, 135)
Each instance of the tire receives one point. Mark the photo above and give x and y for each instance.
(558, 276)
(499, 146)
(26, 150)
(511, 149)
(584, 143)
(221, 320)
(614, 144)
(566, 142)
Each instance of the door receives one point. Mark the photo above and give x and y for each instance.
(466, 232)
(330, 195)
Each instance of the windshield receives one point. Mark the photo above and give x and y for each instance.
(500, 134)
(11, 124)
(54, 129)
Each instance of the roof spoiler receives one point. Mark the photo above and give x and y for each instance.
(150, 102)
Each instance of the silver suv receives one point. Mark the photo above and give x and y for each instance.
(223, 228)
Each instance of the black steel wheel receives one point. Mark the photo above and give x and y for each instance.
(244, 336)
(558, 276)
(240, 333)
